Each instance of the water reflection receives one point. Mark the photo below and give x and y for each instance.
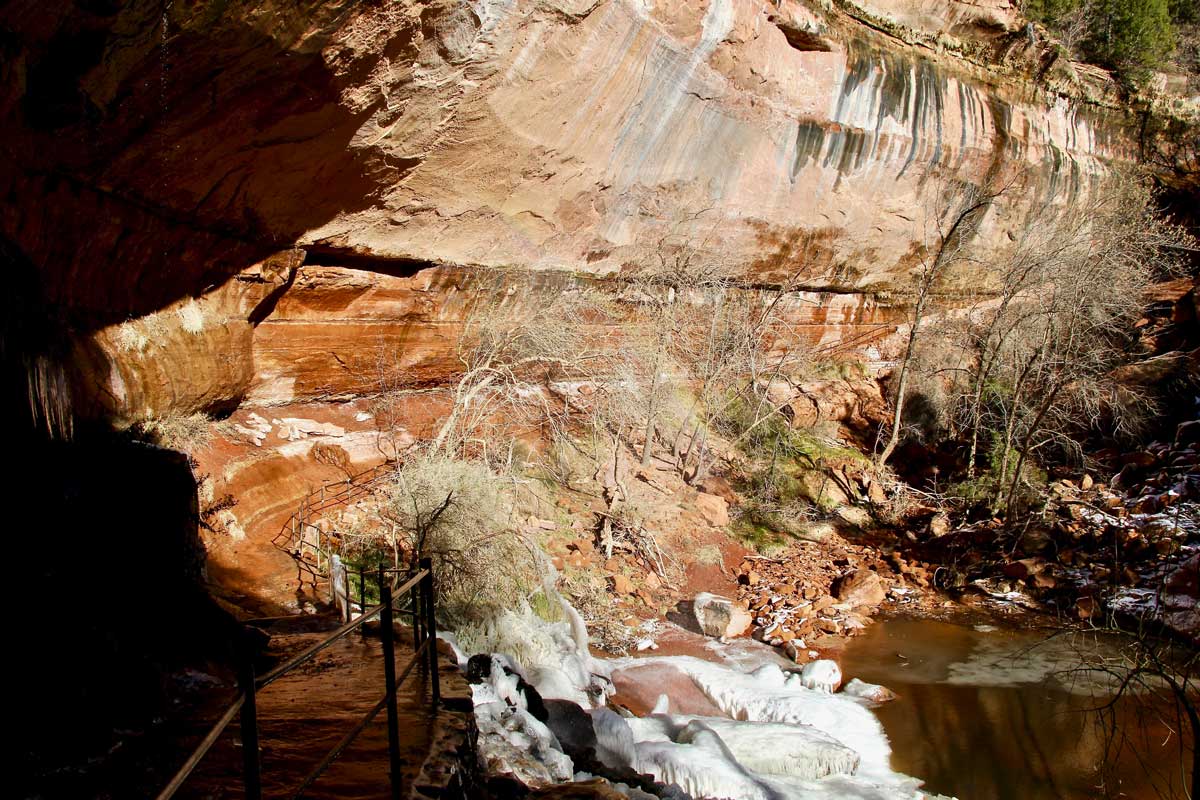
(999, 715)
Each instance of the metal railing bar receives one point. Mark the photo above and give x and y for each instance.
(329, 758)
(353, 733)
(350, 626)
(202, 749)
(422, 598)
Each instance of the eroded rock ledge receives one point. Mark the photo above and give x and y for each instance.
(544, 135)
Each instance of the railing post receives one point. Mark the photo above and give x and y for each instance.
(389, 677)
(362, 597)
(414, 602)
(251, 774)
(435, 686)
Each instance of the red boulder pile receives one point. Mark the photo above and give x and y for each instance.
(796, 602)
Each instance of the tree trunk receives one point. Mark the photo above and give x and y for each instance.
(902, 383)
(1025, 444)
(650, 414)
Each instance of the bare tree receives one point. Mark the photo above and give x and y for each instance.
(954, 225)
(1082, 324)
(513, 345)
(1150, 683)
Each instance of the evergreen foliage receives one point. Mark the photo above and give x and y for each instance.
(1130, 35)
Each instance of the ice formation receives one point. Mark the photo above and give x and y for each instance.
(769, 695)
(823, 675)
(765, 747)
(511, 740)
(787, 734)
(548, 654)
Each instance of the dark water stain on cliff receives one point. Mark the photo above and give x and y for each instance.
(897, 87)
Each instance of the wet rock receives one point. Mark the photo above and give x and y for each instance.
(719, 616)
(1085, 608)
(861, 588)
(1044, 581)
(795, 651)
(573, 728)
(1180, 604)
(1187, 433)
(868, 691)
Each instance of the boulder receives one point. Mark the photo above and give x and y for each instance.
(868, 691)
(816, 532)
(822, 603)
(861, 588)
(1180, 604)
(572, 726)
(939, 525)
(854, 515)
(719, 616)
(714, 509)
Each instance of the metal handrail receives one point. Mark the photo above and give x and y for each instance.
(360, 482)
(421, 589)
(202, 749)
(340, 633)
(353, 733)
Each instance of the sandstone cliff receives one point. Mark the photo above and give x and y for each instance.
(240, 205)
(152, 158)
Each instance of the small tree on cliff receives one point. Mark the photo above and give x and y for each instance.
(952, 227)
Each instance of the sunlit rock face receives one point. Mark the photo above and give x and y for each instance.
(156, 161)
(587, 130)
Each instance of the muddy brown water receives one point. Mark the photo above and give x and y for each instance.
(993, 714)
(306, 712)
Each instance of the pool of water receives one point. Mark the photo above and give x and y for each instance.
(992, 714)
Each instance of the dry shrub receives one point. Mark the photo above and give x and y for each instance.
(458, 514)
(186, 433)
(590, 596)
